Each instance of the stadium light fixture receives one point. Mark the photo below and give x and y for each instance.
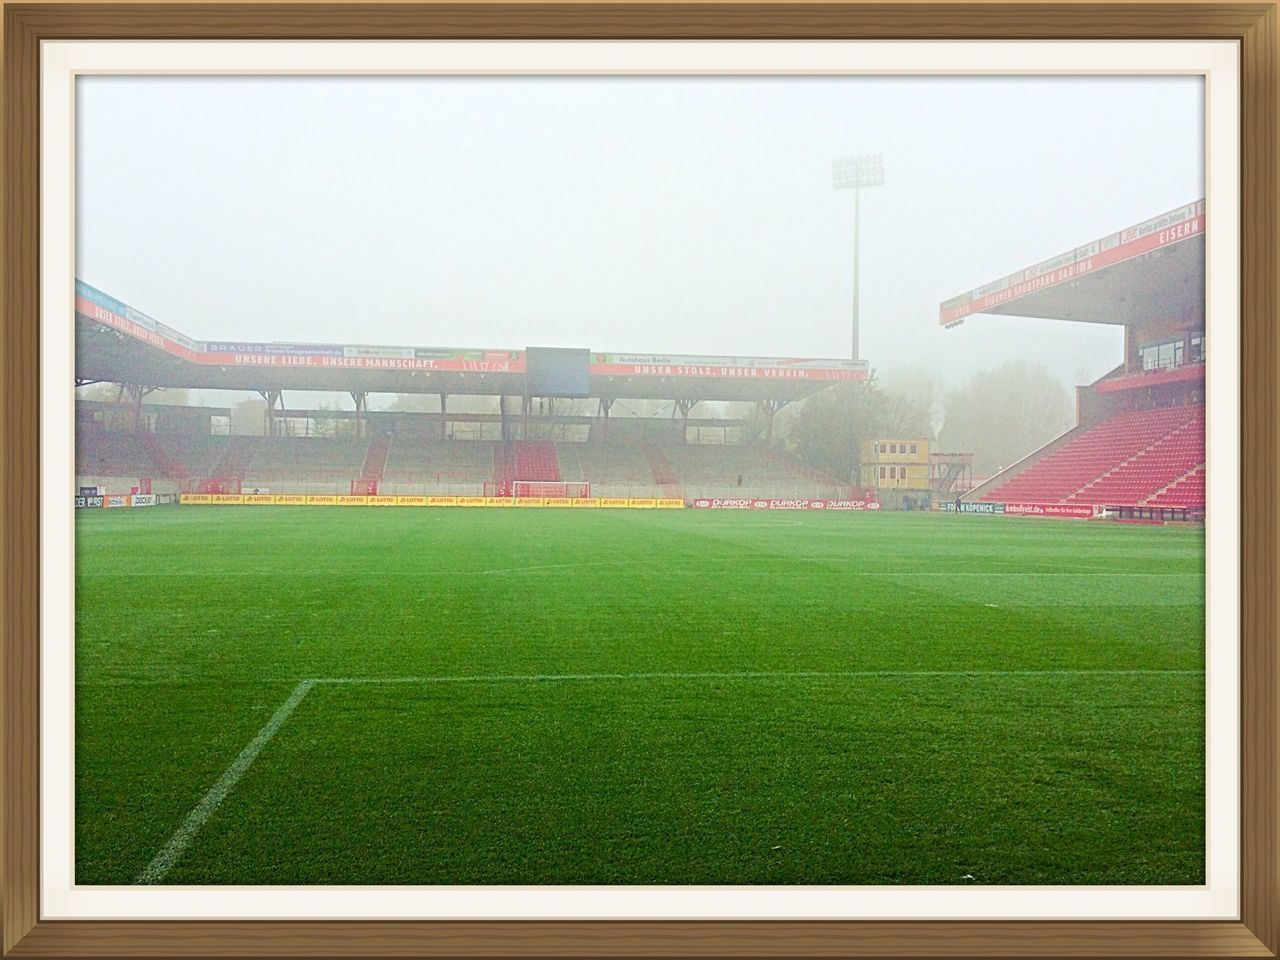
(855, 173)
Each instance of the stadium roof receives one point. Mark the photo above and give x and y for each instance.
(1153, 271)
(116, 343)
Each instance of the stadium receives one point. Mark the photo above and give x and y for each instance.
(716, 664)
(166, 451)
(1137, 450)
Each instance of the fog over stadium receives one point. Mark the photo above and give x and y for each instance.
(656, 215)
(766, 614)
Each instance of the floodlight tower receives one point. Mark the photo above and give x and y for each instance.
(854, 173)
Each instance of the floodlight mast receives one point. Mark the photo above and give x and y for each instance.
(854, 173)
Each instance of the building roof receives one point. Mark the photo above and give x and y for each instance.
(117, 343)
(1152, 271)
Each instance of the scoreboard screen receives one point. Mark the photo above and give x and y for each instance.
(557, 371)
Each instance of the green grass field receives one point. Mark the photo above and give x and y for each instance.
(597, 697)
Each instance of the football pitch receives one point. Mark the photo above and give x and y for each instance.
(288, 695)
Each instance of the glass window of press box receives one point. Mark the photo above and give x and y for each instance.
(1173, 353)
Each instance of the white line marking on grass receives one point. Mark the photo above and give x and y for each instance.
(750, 675)
(159, 867)
(777, 574)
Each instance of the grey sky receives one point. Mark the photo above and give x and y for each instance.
(664, 215)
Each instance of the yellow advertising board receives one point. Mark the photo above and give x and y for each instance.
(261, 499)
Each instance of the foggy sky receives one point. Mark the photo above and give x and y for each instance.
(660, 215)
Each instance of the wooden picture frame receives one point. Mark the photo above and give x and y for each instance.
(1256, 26)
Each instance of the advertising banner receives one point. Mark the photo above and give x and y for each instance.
(362, 358)
(750, 503)
(322, 500)
(758, 368)
(413, 501)
(485, 502)
(226, 498)
(258, 499)
(527, 501)
(296, 499)
(116, 500)
(647, 503)
(83, 503)
(1083, 511)
(586, 501)
(347, 500)
(667, 503)
(614, 501)
(442, 501)
(557, 502)
(381, 501)
(292, 349)
(196, 498)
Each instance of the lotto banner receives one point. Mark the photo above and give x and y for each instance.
(528, 501)
(670, 504)
(411, 501)
(485, 502)
(259, 498)
(614, 502)
(227, 498)
(321, 500)
(643, 503)
(586, 502)
(196, 498)
(296, 499)
(352, 500)
(557, 502)
(442, 501)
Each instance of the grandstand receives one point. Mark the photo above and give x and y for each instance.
(1138, 449)
(525, 448)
